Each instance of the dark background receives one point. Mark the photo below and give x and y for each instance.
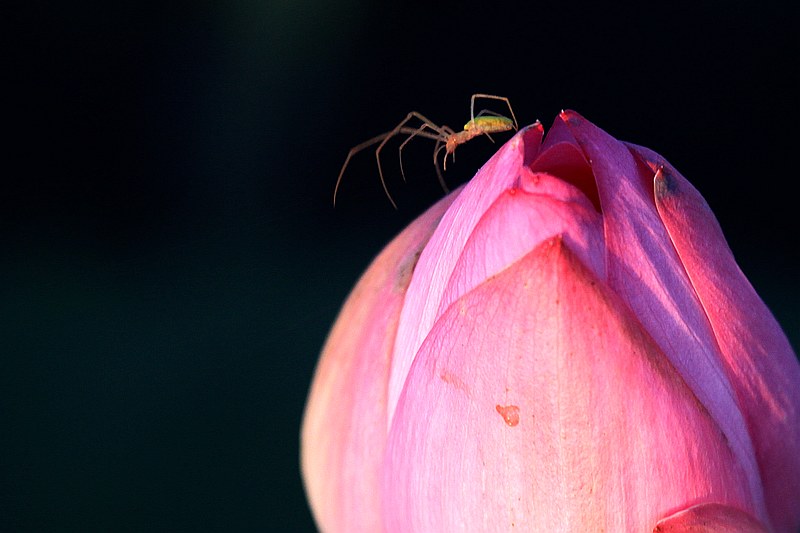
(171, 261)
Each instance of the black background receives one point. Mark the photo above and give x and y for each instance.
(171, 261)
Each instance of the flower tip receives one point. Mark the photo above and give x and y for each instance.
(570, 117)
(553, 246)
(530, 140)
(531, 129)
(710, 517)
(664, 183)
(555, 241)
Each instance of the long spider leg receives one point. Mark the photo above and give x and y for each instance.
(374, 140)
(418, 132)
(489, 112)
(444, 147)
(398, 129)
(450, 134)
(353, 151)
(443, 135)
(458, 140)
(392, 133)
(438, 148)
(492, 97)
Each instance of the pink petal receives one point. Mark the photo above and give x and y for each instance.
(644, 269)
(537, 402)
(759, 360)
(439, 257)
(710, 518)
(565, 160)
(541, 207)
(344, 427)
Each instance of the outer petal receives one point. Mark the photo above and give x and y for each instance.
(759, 359)
(644, 269)
(344, 428)
(440, 256)
(541, 207)
(710, 518)
(537, 402)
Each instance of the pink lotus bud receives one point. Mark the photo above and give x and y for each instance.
(564, 344)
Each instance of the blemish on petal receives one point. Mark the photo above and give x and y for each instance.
(665, 184)
(455, 381)
(406, 270)
(510, 414)
(570, 117)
